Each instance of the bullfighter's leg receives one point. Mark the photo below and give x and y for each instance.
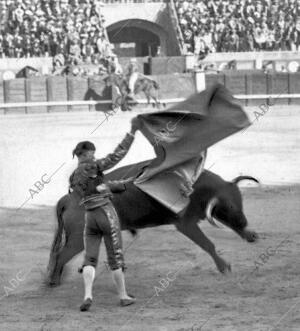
(193, 232)
(73, 246)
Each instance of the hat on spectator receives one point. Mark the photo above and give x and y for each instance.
(251, 20)
(28, 12)
(59, 58)
(39, 12)
(94, 20)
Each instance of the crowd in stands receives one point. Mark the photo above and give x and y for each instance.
(72, 30)
(239, 25)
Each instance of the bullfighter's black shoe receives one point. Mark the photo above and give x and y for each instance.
(86, 304)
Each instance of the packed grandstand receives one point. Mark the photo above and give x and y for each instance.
(76, 29)
(239, 25)
(50, 28)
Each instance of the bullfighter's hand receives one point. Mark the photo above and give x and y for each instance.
(101, 187)
(135, 125)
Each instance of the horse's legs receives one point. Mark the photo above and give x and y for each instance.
(155, 98)
(74, 245)
(193, 232)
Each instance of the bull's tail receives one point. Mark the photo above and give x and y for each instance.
(239, 178)
(57, 241)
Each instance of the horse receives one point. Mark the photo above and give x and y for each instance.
(212, 198)
(143, 84)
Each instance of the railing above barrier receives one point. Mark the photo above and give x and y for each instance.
(139, 101)
(131, 1)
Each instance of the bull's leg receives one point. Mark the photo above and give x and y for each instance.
(193, 232)
(73, 246)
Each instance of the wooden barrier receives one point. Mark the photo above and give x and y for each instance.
(36, 90)
(14, 91)
(294, 87)
(2, 110)
(168, 65)
(41, 94)
(175, 86)
(256, 83)
(57, 91)
(278, 83)
(139, 101)
(97, 90)
(77, 88)
(211, 79)
(236, 84)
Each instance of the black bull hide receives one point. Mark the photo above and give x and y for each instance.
(138, 210)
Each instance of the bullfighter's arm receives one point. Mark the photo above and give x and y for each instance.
(122, 149)
(118, 154)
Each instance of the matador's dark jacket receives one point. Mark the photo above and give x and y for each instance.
(89, 174)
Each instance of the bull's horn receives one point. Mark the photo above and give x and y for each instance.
(208, 212)
(239, 178)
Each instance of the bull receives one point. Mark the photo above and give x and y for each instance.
(213, 199)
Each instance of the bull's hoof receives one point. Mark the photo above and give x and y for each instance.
(52, 282)
(251, 236)
(224, 267)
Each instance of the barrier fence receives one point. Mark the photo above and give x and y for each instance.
(272, 98)
(48, 94)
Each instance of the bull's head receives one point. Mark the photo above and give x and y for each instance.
(227, 208)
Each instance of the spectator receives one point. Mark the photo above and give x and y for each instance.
(51, 27)
(103, 46)
(1, 47)
(239, 25)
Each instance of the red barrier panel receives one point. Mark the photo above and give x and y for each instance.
(57, 91)
(14, 91)
(77, 88)
(278, 83)
(294, 87)
(36, 90)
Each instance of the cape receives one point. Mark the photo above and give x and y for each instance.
(180, 137)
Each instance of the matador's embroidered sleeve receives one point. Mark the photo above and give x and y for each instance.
(118, 154)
